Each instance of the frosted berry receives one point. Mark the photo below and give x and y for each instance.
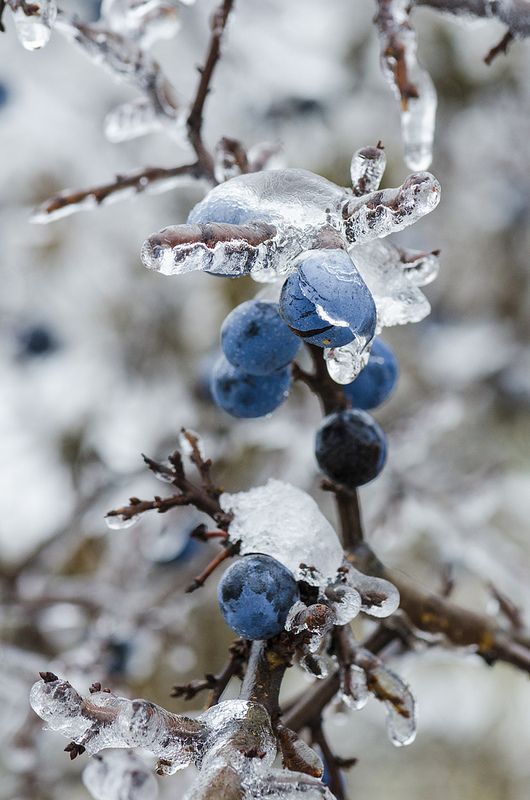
(255, 596)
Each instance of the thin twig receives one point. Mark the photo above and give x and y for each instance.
(500, 47)
(195, 118)
(234, 667)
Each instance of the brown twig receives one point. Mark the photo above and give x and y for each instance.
(334, 763)
(393, 49)
(234, 667)
(500, 47)
(139, 181)
(228, 551)
(195, 118)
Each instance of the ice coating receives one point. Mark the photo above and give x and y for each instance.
(344, 363)
(258, 223)
(284, 522)
(354, 688)
(409, 81)
(125, 59)
(381, 213)
(419, 267)
(105, 720)
(130, 120)
(379, 597)
(397, 298)
(366, 169)
(119, 522)
(119, 775)
(34, 30)
(143, 20)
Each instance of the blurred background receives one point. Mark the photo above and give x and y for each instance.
(101, 360)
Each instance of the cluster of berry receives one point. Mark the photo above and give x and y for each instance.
(257, 593)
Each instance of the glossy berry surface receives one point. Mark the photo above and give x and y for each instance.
(330, 280)
(255, 595)
(245, 395)
(302, 317)
(376, 381)
(350, 448)
(256, 339)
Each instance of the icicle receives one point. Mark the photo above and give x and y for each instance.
(34, 30)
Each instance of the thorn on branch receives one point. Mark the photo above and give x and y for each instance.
(229, 551)
(48, 677)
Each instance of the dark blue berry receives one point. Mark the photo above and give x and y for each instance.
(245, 395)
(376, 381)
(301, 316)
(255, 596)
(36, 340)
(256, 339)
(350, 448)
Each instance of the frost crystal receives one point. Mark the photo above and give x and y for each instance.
(119, 775)
(34, 30)
(285, 522)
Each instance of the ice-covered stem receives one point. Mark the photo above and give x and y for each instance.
(150, 179)
(195, 118)
(216, 684)
(334, 763)
(265, 670)
(392, 20)
(367, 168)
(459, 626)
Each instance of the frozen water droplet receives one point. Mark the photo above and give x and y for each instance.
(34, 30)
(345, 363)
(346, 602)
(284, 522)
(119, 775)
(118, 522)
(354, 689)
(401, 709)
(379, 597)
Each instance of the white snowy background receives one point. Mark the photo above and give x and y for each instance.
(131, 355)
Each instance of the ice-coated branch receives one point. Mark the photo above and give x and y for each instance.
(367, 168)
(104, 719)
(195, 117)
(381, 213)
(409, 81)
(150, 180)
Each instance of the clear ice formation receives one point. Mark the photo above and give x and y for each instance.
(220, 742)
(258, 223)
(285, 522)
(264, 223)
(119, 775)
(409, 81)
(34, 30)
(145, 21)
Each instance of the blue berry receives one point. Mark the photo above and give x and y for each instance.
(350, 448)
(330, 280)
(255, 596)
(4, 94)
(376, 381)
(36, 340)
(256, 339)
(245, 395)
(301, 316)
